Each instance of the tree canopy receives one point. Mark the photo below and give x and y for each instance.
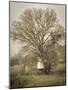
(39, 29)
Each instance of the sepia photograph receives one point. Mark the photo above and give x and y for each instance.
(37, 41)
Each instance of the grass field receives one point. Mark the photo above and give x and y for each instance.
(20, 80)
(38, 80)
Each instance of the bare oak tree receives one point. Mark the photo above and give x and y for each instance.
(39, 29)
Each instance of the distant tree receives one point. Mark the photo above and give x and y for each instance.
(39, 29)
(14, 61)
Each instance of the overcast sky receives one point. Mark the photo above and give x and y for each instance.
(17, 8)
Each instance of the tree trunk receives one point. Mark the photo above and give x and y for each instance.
(24, 68)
